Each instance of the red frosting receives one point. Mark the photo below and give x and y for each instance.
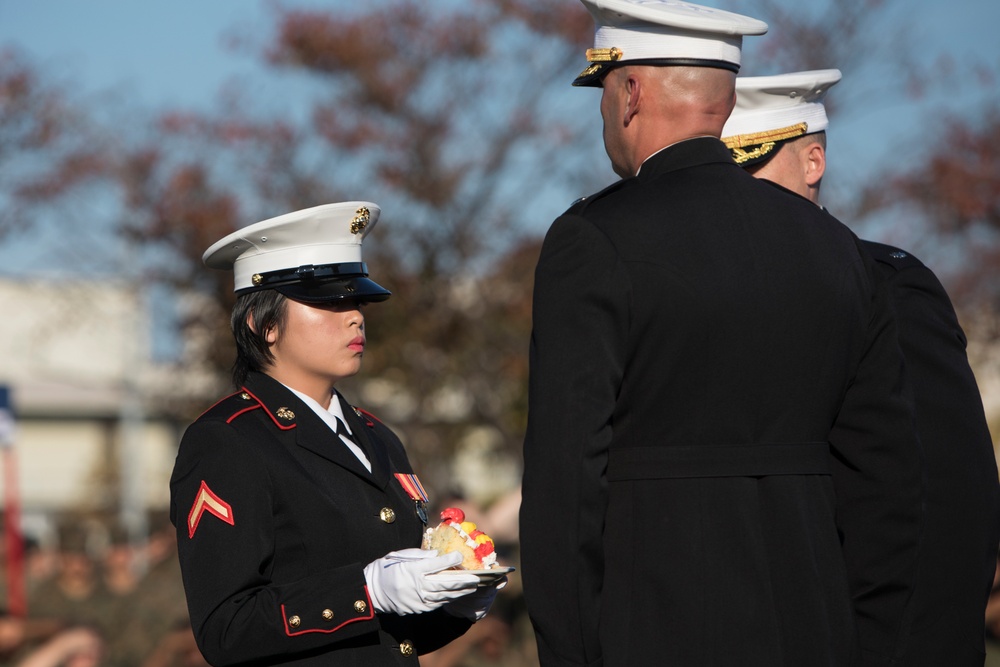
(484, 550)
(453, 514)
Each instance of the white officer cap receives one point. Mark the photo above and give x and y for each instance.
(772, 109)
(663, 32)
(312, 255)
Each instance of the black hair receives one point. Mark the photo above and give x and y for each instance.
(267, 309)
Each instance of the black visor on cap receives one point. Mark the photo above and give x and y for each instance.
(756, 148)
(594, 74)
(321, 283)
(358, 288)
(750, 156)
(757, 154)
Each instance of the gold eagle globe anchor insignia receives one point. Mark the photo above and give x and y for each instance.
(360, 221)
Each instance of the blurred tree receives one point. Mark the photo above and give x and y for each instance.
(39, 131)
(449, 121)
(948, 203)
(461, 124)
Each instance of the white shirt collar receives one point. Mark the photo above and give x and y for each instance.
(330, 416)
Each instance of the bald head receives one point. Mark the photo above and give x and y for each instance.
(702, 96)
(646, 108)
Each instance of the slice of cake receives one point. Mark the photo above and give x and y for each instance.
(454, 533)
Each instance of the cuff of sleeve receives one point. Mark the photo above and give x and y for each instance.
(305, 611)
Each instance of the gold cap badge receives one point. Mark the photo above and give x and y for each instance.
(360, 221)
(604, 55)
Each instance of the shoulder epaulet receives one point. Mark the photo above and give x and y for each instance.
(364, 414)
(580, 204)
(895, 257)
(575, 204)
(230, 405)
(244, 402)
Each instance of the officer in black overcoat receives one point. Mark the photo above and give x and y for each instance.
(298, 515)
(778, 132)
(701, 343)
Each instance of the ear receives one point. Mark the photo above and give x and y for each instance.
(814, 164)
(633, 88)
(272, 334)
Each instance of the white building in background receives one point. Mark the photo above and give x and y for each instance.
(88, 400)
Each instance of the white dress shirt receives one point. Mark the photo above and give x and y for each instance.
(331, 415)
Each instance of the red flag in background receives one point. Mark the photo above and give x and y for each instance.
(17, 603)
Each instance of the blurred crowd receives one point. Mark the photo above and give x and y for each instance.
(993, 622)
(95, 599)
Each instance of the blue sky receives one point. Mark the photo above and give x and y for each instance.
(179, 54)
(169, 52)
(160, 52)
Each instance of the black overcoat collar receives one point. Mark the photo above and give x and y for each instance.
(683, 155)
(364, 432)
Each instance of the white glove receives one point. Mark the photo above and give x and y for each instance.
(475, 606)
(397, 584)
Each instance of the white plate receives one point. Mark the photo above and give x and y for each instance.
(486, 577)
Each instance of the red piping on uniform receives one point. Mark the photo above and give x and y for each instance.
(369, 422)
(283, 427)
(370, 616)
(237, 414)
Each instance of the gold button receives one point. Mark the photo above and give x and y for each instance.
(328, 614)
(387, 515)
(294, 621)
(406, 648)
(245, 396)
(257, 279)
(360, 606)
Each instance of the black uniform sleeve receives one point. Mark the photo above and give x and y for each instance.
(959, 545)
(577, 363)
(878, 477)
(434, 629)
(221, 505)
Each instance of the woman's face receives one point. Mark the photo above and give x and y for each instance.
(318, 345)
